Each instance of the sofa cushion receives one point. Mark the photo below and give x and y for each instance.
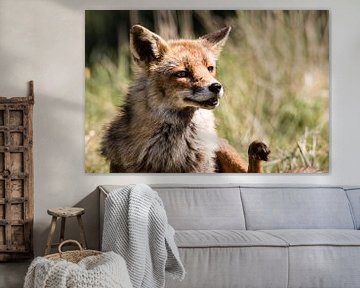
(296, 208)
(199, 207)
(203, 208)
(226, 238)
(218, 267)
(322, 258)
(324, 266)
(354, 198)
(317, 237)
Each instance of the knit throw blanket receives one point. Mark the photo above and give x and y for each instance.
(102, 271)
(136, 227)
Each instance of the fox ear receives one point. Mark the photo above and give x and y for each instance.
(217, 39)
(146, 46)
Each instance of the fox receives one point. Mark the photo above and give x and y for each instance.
(166, 124)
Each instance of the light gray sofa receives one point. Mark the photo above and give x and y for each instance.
(241, 236)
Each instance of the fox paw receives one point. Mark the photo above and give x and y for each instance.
(259, 151)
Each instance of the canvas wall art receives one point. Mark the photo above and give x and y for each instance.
(207, 91)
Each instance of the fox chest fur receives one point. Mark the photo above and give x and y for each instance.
(148, 139)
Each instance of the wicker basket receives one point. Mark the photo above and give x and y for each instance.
(72, 256)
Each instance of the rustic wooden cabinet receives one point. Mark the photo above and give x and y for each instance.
(16, 177)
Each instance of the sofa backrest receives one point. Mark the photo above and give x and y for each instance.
(354, 198)
(203, 208)
(296, 208)
(211, 207)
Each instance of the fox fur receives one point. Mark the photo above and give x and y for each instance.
(166, 123)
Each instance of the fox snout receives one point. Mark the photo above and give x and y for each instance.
(215, 88)
(206, 97)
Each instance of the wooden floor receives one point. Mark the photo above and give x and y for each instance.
(12, 274)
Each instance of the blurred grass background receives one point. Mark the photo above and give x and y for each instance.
(274, 67)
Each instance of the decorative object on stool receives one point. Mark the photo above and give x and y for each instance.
(80, 268)
(16, 177)
(64, 213)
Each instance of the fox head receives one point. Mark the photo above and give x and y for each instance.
(181, 73)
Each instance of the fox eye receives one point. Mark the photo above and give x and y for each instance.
(182, 74)
(211, 68)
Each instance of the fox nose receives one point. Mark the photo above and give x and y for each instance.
(215, 87)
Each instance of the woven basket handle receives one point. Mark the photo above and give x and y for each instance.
(69, 241)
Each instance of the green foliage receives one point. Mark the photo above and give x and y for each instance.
(105, 88)
(275, 71)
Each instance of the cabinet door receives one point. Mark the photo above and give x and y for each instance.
(15, 189)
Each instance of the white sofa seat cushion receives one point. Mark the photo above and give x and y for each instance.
(233, 258)
(324, 258)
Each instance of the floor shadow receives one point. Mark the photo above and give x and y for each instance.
(12, 274)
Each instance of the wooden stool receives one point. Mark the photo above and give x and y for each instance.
(64, 213)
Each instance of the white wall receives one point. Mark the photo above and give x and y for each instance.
(43, 40)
